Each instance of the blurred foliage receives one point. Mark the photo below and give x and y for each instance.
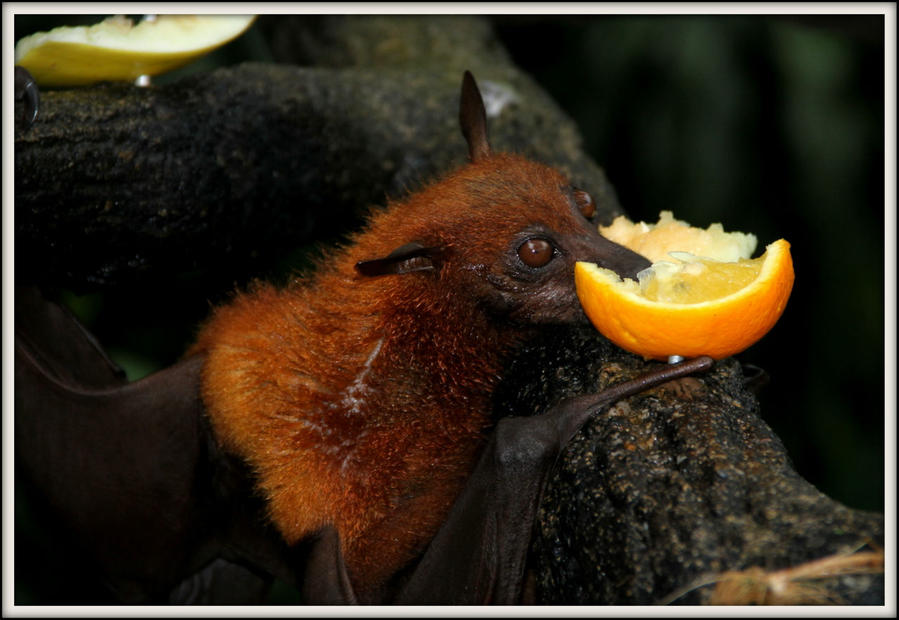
(768, 125)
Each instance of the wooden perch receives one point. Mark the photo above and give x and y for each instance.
(673, 487)
(116, 182)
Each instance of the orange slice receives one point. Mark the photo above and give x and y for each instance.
(702, 295)
(116, 49)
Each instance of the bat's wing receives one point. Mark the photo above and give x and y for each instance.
(479, 555)
(130, 470)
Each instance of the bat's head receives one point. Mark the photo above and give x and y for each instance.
(503, 232)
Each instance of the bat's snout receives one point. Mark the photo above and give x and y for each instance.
(610, 255)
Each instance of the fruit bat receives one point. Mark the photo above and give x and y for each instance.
(335, 434)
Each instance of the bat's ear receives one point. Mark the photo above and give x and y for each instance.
(473, 119)
(405, 259)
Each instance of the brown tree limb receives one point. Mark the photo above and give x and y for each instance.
(674, 487)
(115, 181)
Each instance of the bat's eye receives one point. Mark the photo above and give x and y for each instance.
(536, 252)
(584, 202)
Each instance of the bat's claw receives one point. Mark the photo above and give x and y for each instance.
(754, 378)
(27, 90)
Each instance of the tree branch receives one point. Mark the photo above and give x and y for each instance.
(116, 182)
(673, 487)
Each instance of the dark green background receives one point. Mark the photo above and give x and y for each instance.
(768, 125)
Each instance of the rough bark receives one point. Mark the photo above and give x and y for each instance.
(674, 487)
(116, 182)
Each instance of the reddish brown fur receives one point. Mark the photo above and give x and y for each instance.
(362, 402)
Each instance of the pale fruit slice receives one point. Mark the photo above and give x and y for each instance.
(117, 50)
(688, 305)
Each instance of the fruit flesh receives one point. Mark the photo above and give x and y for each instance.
(697, 280)
(655, 241)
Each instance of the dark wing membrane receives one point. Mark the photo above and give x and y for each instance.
(130, 472)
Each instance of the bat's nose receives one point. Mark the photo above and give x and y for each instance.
(597, 249)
